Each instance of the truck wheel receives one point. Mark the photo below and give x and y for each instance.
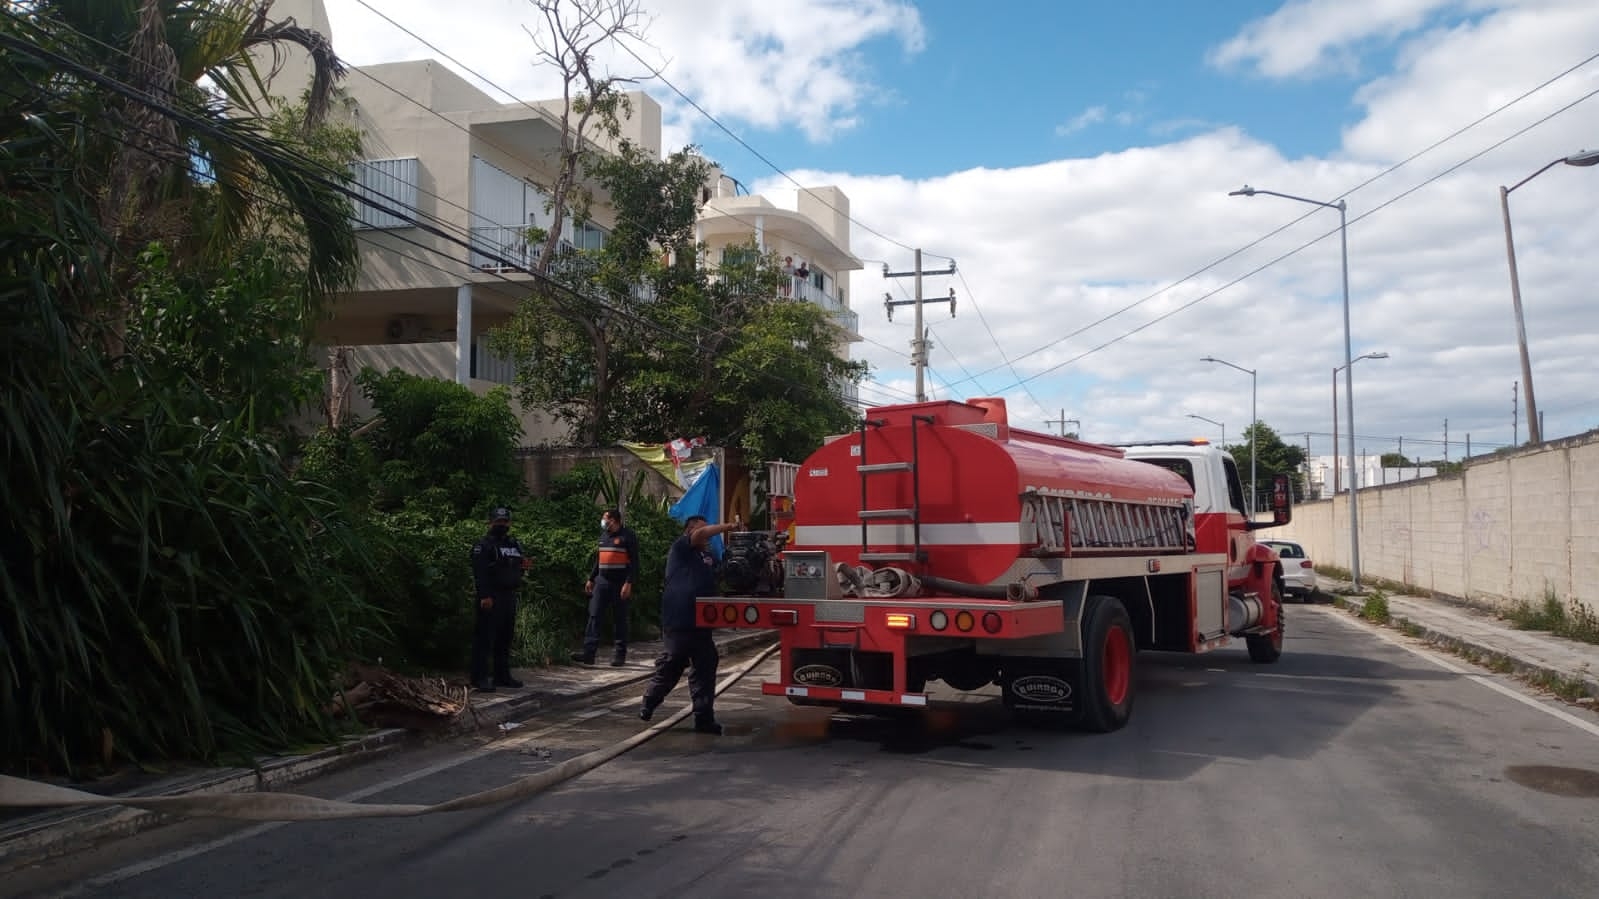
(1108, 651)
(1268, 648)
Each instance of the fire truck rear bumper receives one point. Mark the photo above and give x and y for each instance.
(846, 694)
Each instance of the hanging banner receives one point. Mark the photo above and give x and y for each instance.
(671, 460)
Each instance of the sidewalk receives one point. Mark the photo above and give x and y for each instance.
(1569, 668)
(32, 836)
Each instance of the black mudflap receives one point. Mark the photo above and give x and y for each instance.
(1044, 691)
(844, 668)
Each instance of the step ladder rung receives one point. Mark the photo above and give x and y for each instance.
(884, 467)
(872, 514)
(888, 557)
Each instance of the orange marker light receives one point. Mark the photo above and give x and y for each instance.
(730, 614)
(964, 621)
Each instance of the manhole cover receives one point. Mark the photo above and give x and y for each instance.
(1556, 780)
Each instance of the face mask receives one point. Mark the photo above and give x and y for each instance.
(500, 530)
(604, 524)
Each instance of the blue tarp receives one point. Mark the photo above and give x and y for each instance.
(702, 499)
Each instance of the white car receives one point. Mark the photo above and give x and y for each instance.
(1299, 573)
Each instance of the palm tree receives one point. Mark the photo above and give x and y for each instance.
(180, 148)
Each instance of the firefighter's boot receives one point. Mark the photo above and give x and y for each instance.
(619, 658)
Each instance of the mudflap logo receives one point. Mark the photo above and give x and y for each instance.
(819, 676)
(1039, 688)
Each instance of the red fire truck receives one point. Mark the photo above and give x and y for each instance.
(938, 542)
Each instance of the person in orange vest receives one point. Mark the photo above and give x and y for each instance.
(609, 587)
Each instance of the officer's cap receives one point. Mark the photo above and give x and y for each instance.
(500, 513)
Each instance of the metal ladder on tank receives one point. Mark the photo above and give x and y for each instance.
(913, 514)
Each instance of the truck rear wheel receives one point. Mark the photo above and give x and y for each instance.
(1268, 648)
(1108, 651)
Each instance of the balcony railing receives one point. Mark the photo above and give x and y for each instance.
(842, 315)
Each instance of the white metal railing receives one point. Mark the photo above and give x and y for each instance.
(497, 248)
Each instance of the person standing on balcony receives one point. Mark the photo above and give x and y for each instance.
(786, 288)
(497, 569)
(609, 587)
(801, 275)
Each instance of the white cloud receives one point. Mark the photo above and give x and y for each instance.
(768, 64)
(1091, 116)
(1310, 36)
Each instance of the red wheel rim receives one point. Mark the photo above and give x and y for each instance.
(1116, 667)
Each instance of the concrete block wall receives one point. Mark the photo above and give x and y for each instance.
(1513, 527)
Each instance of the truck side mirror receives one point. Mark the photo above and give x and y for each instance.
(1282, 504)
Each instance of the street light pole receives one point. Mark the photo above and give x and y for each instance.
(1254, 435)
(1582, 158)
(1217, 424)
(1335, 372)
(1349, 362)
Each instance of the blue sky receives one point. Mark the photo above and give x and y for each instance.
(1076, 158)
(985, 92)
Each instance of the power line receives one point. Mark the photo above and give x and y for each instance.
(273, 154)
(1384, 173)
(1260, 268)
(409, 212)
(657, 75)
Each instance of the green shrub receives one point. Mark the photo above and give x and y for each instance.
(1376, 607)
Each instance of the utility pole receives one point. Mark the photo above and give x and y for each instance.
(919, 341)
(1063, 421)
(1446, 440)
(1515, 413)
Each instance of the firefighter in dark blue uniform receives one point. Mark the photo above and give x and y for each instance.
(609, 587)
(690, 573)
(497, 568)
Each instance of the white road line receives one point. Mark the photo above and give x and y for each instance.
(1486, 681)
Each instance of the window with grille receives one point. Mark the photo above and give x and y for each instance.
(387, 189)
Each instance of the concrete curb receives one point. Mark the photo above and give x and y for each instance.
(51, 834)
(1474, 650)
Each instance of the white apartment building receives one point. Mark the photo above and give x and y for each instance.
(444, 156)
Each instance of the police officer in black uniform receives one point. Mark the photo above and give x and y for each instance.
(497, 568)
(610, 586)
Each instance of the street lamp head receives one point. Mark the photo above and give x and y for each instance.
(1377, 355)
(1208, 359)
(1583, 158)
(1245, 191)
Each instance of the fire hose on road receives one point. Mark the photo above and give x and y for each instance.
(16, 792)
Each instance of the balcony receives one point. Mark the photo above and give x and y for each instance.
(841, 314)
(499, 248)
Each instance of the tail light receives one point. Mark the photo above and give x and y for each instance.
(991, 622)
(1306, 564)
(709, 614)
(900, 621)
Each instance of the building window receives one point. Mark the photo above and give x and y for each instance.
(387, 188)
(734, 254)
(588, 236)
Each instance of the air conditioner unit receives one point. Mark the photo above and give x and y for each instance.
(405, 329)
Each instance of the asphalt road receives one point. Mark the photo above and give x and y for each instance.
(1353, 767)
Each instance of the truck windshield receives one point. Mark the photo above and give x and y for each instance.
(1181, 466)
